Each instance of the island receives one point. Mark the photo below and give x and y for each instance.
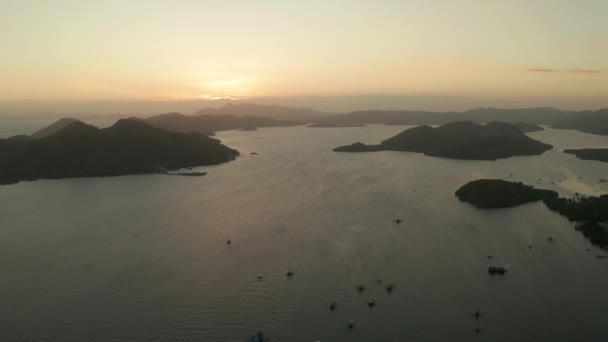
(459, 140)
(249, 129)
(598, 154)
(496, 193)
(127, 147)
(590, 213)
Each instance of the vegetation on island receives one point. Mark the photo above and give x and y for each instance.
(581, 208)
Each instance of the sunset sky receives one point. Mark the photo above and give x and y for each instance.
(86, 50)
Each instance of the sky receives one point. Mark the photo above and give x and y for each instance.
(484, 51)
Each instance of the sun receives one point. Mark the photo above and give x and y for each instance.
(224, 88)
(229, 83)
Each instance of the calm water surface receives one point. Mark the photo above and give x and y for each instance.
(144, 258)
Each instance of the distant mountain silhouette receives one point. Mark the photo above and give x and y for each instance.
(403, 117)
(532, 116)
(208, 124)
(460, 140)
(127, 147)
(539, 115)
(265, 111)
(594, 122)
(334, 125)
(53, 128)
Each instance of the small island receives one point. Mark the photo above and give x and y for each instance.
(496, 193)
(597, 154)
(127, 147)
(185, 174)
(358, 147)
(590, 213)
(459, 140)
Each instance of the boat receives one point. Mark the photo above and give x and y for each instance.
(258, 337)
(497, 270)
(477, 313)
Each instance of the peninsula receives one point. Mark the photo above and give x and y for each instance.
(528, 127)
(598, 154)
(590, 213)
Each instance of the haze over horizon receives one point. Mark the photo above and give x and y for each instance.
(157, 56)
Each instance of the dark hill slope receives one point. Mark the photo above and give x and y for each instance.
(53, 128)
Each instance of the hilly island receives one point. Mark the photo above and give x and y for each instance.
(459, 140)
(128, 147)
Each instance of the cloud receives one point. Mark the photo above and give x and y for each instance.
(541, 70)
(571, 71)
(584, 71)
(212, 97)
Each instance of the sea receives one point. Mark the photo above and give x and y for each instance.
(145, 258)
